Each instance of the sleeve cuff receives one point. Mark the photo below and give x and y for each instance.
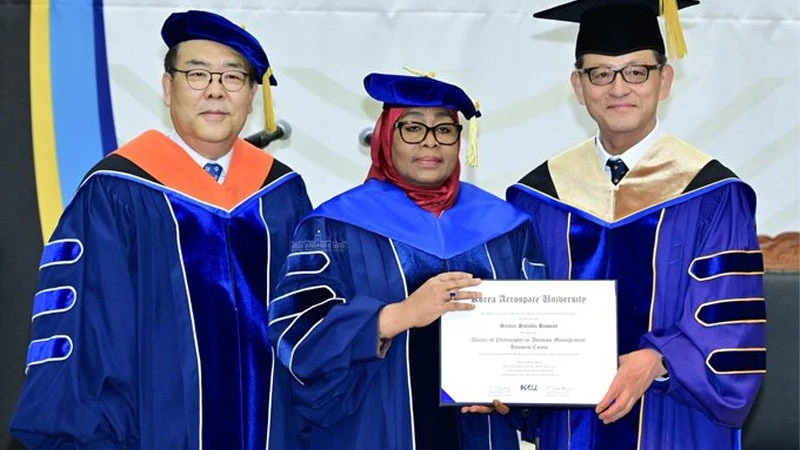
(661, 384)
(383, 347)
(367, 345)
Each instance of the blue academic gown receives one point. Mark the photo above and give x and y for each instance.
(678, 234)
(360, 251)
(149, 324)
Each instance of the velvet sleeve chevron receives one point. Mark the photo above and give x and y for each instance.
(78, 393)
(715, 349)
(323, 333)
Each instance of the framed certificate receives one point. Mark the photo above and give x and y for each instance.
(531, 342)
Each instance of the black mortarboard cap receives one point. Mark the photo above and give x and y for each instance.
(617, 27)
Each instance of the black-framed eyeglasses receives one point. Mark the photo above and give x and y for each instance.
(633, 74)
(199, 79)
(416, 132)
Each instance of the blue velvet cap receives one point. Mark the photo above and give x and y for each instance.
(418, 91)
(190, 25)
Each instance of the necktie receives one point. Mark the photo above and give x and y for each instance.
(618, 169)
(213, 169)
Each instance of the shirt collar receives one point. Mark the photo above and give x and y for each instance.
(631, 156)
(224, 160)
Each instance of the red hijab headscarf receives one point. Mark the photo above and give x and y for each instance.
(434, 200)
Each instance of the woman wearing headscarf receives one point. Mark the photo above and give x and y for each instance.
(356, 316)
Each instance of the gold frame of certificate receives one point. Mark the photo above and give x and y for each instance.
(531, 343)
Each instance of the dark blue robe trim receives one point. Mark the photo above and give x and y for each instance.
(216, 319)
(737, 361)
(54, 348)
(432, 424)
(590, 246)
(731, 263)
(249, 249)
(299, 301)
(306, 263)
(301, 325)
(732, 311)
(64, 251)
(53, 300)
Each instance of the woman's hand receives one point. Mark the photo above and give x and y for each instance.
(436, 296)
(428, 303)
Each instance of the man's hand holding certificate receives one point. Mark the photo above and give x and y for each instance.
(537, 342)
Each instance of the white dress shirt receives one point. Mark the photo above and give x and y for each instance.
(224, 161)
(631, 156)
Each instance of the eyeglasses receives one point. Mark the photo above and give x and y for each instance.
(416, 132)
(633, 74)
(199, 79)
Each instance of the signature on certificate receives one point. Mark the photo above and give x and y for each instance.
(498, 389)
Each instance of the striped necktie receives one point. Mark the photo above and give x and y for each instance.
(618, 169)
(213, 169)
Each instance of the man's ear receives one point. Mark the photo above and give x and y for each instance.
(166, 86)
(577, 86)
(667, 75)
(253, 95)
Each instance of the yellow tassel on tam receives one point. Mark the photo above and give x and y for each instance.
(269, 113)
(419, 73)
(676, 44)
(472, 150)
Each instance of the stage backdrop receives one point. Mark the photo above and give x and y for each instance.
(83, 76)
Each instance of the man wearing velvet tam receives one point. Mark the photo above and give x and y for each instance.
(149, 325)
(672, 225)
(356, 320)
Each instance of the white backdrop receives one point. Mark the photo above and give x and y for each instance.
(736, 95)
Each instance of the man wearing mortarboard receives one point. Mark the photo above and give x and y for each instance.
(149, 326)
(672, 225)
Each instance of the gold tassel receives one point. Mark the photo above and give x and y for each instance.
(472, 150)
(676, 44)
(269, 113)
(419, 73)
